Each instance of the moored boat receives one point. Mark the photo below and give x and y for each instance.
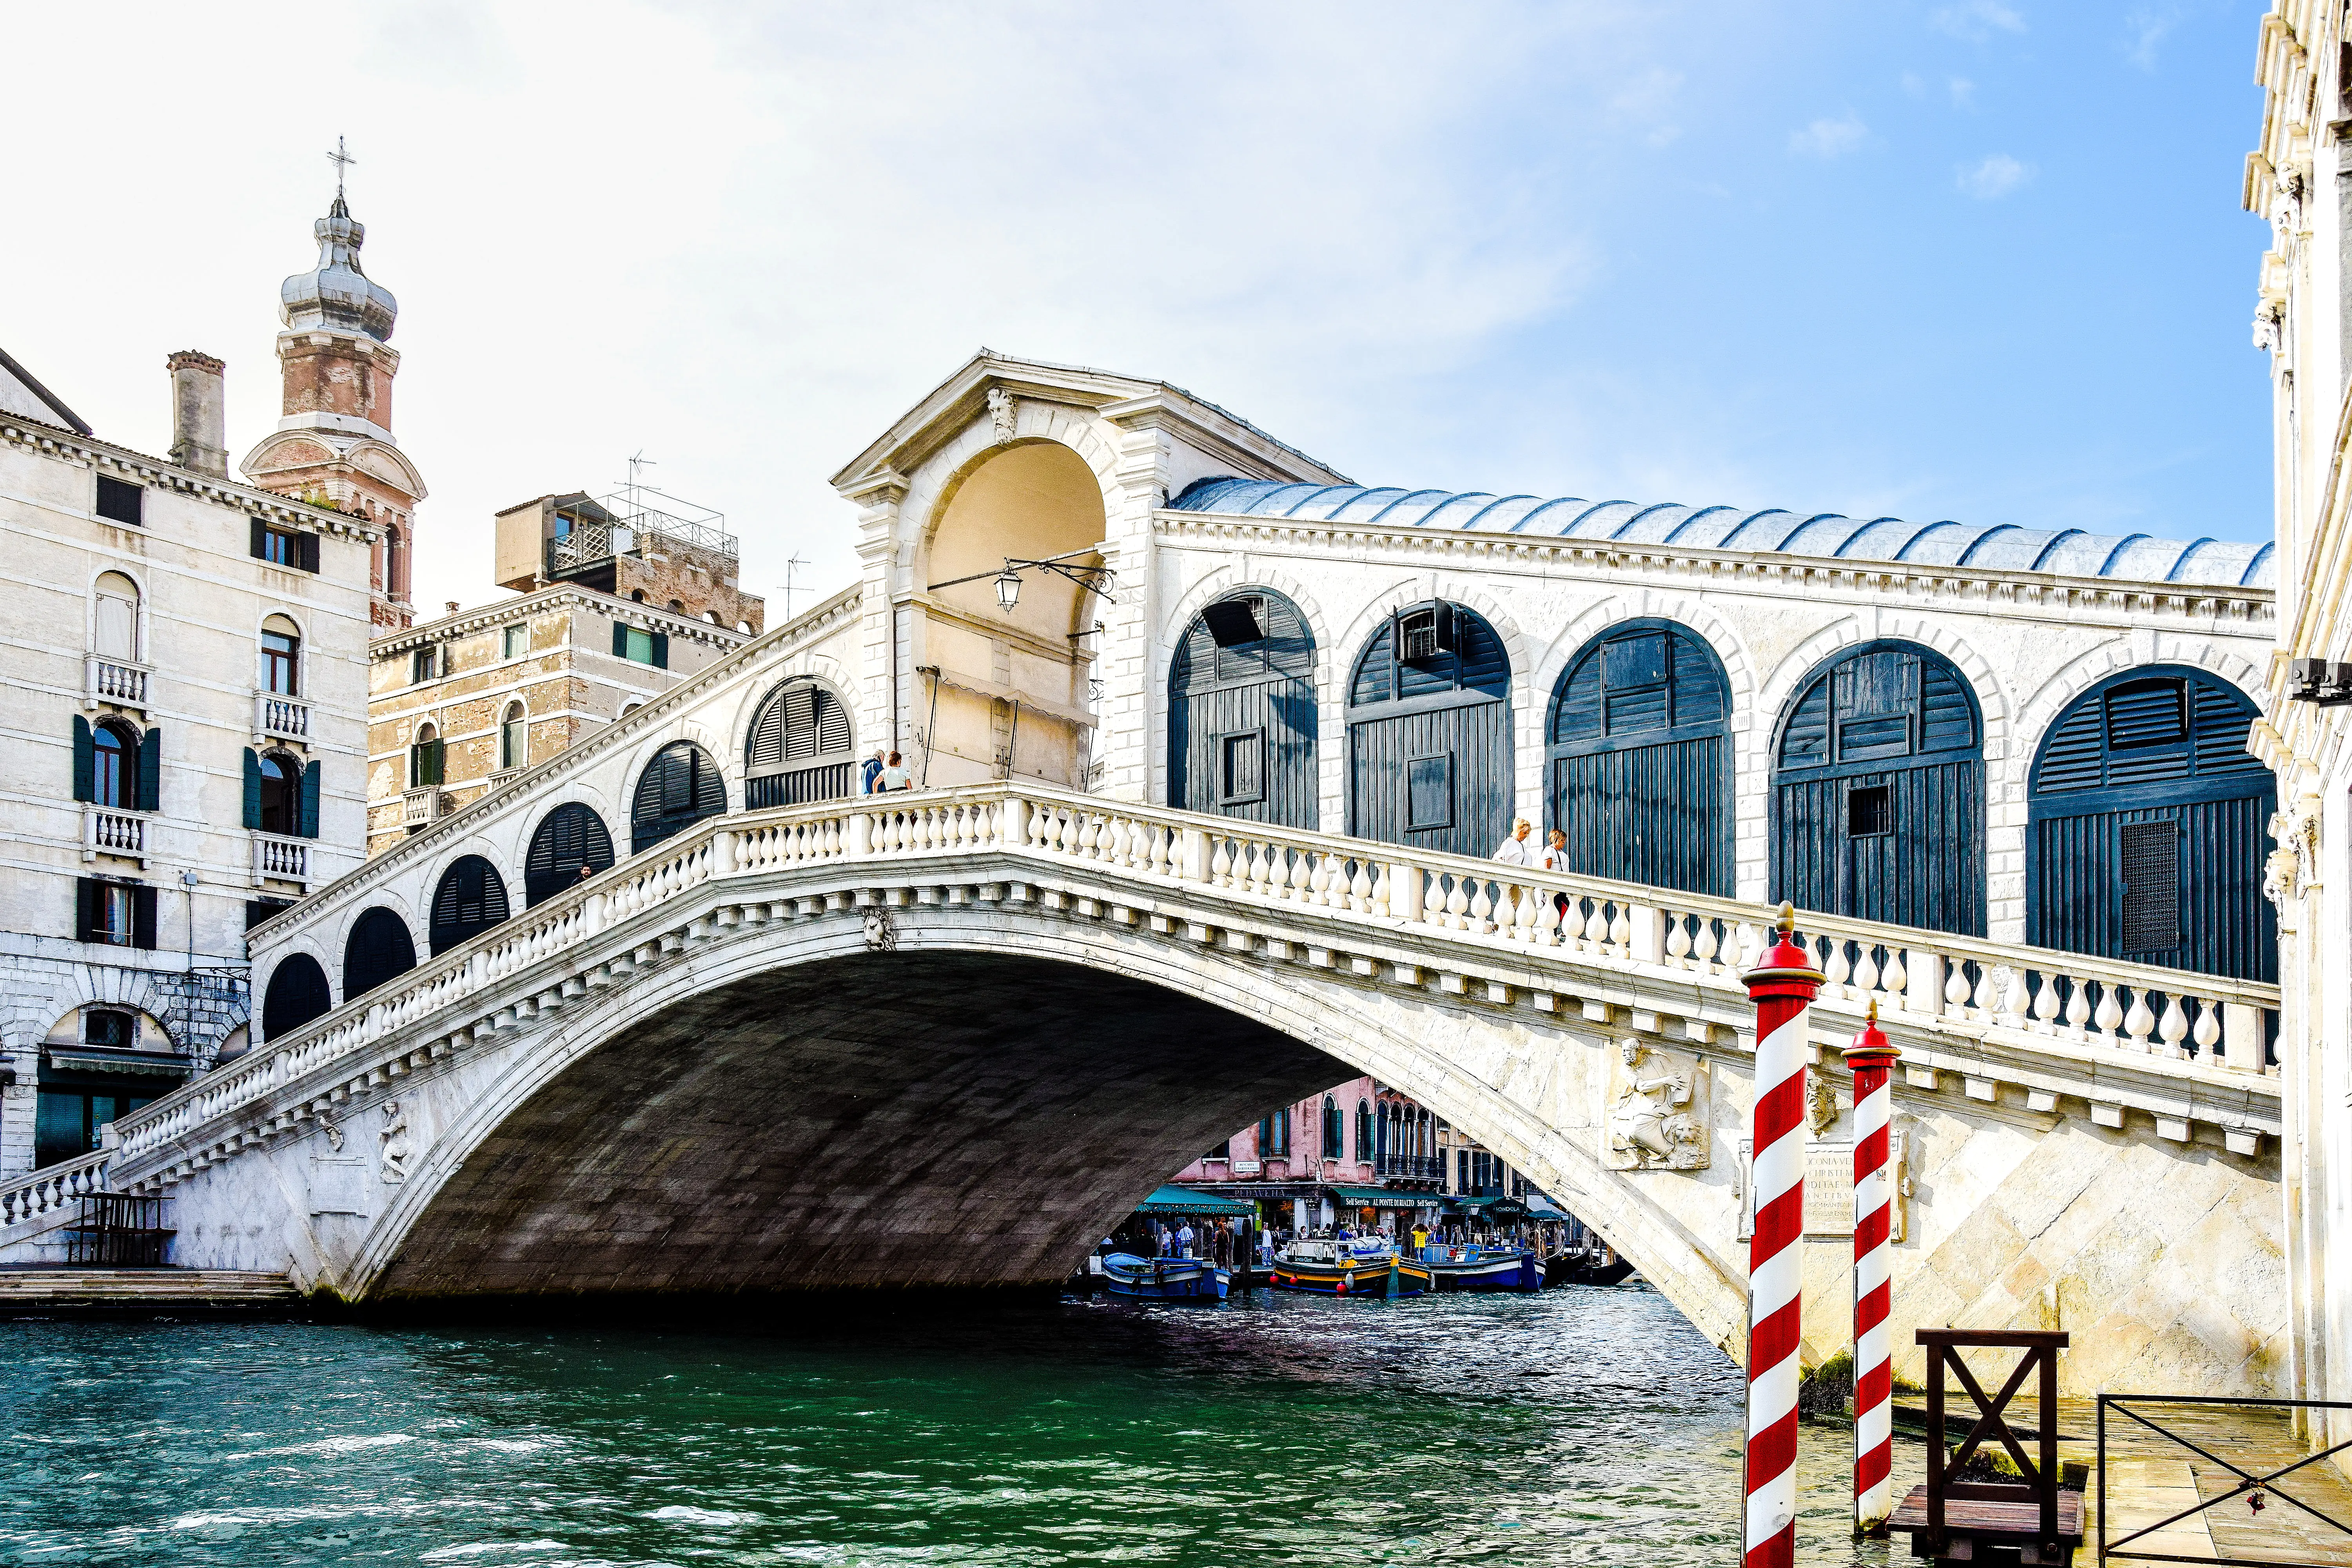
(1363, 1269)
(1165, 1279)
(1482, 1268)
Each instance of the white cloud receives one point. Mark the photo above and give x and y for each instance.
(1977, 20)
(1829, 137)
(1993, 177)
(1963, 91)
(2145, 28)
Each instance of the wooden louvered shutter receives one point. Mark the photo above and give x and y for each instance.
(308, 825)
(800, 723)
(150, 793)
(260, 541)
(767, 746)
(832, 724)
(142, 917)
(85, 761)
(661, 651)
(86, 897)
(620, 641)
(252, 789)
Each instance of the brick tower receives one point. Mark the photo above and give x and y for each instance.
(334, 444)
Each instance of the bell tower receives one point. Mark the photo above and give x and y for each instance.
(335, 445)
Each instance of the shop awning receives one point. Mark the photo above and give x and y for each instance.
(1503, 1206)
(1172, 1199)
(120, 1062)
(1542, 1207)
(1381, 1198)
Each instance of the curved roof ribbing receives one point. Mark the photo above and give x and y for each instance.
(2002, 546)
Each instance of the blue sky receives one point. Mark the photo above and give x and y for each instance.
(1981, 260)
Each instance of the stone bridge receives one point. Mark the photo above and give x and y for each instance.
(946, 1038)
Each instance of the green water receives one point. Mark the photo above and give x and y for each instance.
(1580, 1427)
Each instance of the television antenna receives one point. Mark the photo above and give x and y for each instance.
(792, 570)
(635, 486)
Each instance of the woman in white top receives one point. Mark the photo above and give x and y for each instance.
(1515, 850)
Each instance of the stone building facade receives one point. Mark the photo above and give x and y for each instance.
(187, 729)
(2298, 178)
(459, 705)
(623, 546)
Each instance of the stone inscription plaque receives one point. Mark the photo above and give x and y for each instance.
(1829, 1189)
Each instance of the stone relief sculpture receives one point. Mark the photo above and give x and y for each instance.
(1820, 1101)
(333, 1130)
(1000, 414)
(391, 1158)
(1657, 1110)
(881, 934)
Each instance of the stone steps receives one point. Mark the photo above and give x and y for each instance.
(43, 1290)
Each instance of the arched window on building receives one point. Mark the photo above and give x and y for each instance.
(1429, 732)
(679, 788)
(799, 749)
(297, 993)
(569, 846)
(281, 656)
(470, 899)
(1334, 1131)
(1274, 1135)
(1878, 800)
(427, 757)
(2147, 826)
(281, 809)
(1641, 760)
(115, 621)
(1364, 1130)
(514, 738)
(1241, 711)
(379, 949)
(114, 767)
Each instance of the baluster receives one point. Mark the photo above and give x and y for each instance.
(1704, 945)
(2078, 1007)
(1894, 979)
(1302, 877)
(2046, 1003)
(1956, 986)
(1457, 905)
(2174, 1029)
(1361, 889)
(1156, 860)
(1482, 908)
(1678, 941)
(1865, 972)
(1620, 934)
(1221, 863)
(2208, 1033)
(1523, 915)
(2139, 1022)
(1596, 929)
(1376, 899)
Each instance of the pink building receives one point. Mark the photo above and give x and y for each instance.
(1356, 1153)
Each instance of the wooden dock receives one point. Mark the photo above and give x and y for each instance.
(107, 1292)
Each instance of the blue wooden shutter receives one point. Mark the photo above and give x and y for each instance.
(85, 761)
(252, 789)
(308, 824)
(151, 771)
(620, 641)
(661, 651)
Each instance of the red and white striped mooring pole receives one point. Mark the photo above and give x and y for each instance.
(1871, 1057)
(1781, 987)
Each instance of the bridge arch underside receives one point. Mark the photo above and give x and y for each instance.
(929, 1119)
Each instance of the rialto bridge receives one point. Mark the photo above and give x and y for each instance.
(671, 1012)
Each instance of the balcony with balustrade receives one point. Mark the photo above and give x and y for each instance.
(1410, 1167)
(107, 831)
(277, 717)
(422, 807)
(280, 859)
(114, 682)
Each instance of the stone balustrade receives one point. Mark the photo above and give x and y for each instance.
(47, 1193)
(280, 717)
(285, 860)
(114, 680)
(1623, 956)
(106, 832)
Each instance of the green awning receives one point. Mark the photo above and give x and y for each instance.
(1170, 1198)
(1381, 1198)
(1541, 1207)
(1498, 1205)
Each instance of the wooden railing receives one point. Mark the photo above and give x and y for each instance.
(1448, 905)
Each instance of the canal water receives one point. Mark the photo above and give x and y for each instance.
(1583, 1426)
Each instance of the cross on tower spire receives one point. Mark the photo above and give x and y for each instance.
(340, 160)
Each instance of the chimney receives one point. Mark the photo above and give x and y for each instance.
(199, 419)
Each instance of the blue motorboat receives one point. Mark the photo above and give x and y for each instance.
(1483, 1267)
(1165, 1279)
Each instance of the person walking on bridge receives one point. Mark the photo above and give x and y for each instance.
(893, 777)
(1515, 851)
(871, 769)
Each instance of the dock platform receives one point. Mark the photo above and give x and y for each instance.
(109, 1293)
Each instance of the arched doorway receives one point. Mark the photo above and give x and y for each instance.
(1005, 688)
(2147, 827)
(1429, 732)
(679, 788)
(297, 993)
(1639, 752)
(799, 749)
(470, 899)
(1878, 798)
(1241, 711)
(379, 949)
(570, 845)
